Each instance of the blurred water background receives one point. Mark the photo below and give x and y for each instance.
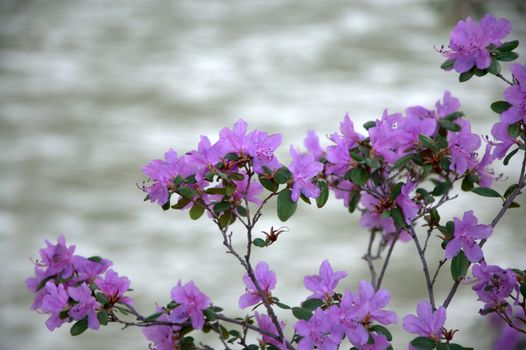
(92, 90)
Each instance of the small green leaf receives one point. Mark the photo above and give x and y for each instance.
(282, 175)
(369, 124)
(440, 189)
(355, 155)
(459, 266)
(480, 72)
(281, 305)
(196, 212)
(301, 313)
(506, 56)
(423, 343)
(258, 242)
(448, 64)
(453, 346)
(398, 217)
(494, 67)
(354, 199)
(427, 142)
(312, 304)
(396, 190)
(221, 207)
(486, 192)
(402, 161)
(286, 207)
(153, 317)
(509, 156)
(79, 327)
(359, 176)
(324, 194)
(463, 77)
(510, 190)
(268, 184)
(508, 46)
(500, 106)
(514, 205)
(382, 330)
(210, 315)
(96, 259)
(514, 130)
(216, 190)
(187, 192)
(467, 184)
(101, 298)
(449, 125)
(166, 205)
(523, 289)
(181, 203)
(103, 317)
(226, 219)
(442, 346)
(241, 211)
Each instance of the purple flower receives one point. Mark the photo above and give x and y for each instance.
(161, 336)
(114, 287)
(88, 270)
(450, 105)
(372, 217)
(389, 140)
(192, 301)
(338, 155)
(503, 141)
(312, 143)
(342, 190)
(379, 343)
(368, 305)
(485, 175)
(404, 202)
(323, 285)
(261, 146)
(163, 172)
(303, 168)
(265, 323)
(426, 323)
(32, 283)
(266, 280)
(516, 96)
(466, 232)
(318, 331)
(205, 158)
(54, 302)
(348, 321)
(470, 40)
(494, 284)
(234, 140)
(87, 305)
(58, 258)
(462, 146)
(250, 192)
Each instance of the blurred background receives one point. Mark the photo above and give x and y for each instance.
(90, 91)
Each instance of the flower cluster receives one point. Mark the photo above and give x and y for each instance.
(74, 288)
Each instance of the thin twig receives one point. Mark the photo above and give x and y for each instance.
(368, 257)
(386, 261)
(424, 267)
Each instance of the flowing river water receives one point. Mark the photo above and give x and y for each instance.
(90, 91)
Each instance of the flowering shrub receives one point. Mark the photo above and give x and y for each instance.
(397, 176)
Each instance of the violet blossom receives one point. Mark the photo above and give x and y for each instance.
(265, 323)
(114, 287)
(379, 343)
(426, 323)
(470, 40)
(324, 284)
(503, 140)
(318, 331)
(88, 270)
(162, 336)
(261, 146)
(347, 320)
(54, 302)
(494, 284)
(368, 305)
(57, 258)
(87, 305)
(389, 140)
(192, 301)
(266, 280)
(466, 233)
(303, 168)
(312, 143)
(463, 145)
(516, 96)
(404, 202)
(449, 105)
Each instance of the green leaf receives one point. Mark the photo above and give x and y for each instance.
(355, 155)
(359, 176)
(398, 217)
(486, 192)
(459, 266)
(153, 317)
(448, 64)
(369, 124)
(382, 330)
(467, 184)
(523, 289)
(449, 125)
(187, 192)
(166, 205)
(514, 205)
(210, 315)
(241, 211)
(494, 67)
(281, 305)
(480, 72)
(354, 199)
(301, 313)
(103, 317)
(423, 343)
(509, 156)
(268, 184)
(286, 207)
(252, 347)
(305, 198)
(427, 142)
(101, 298)
(312, 304)
(79, 327)
(514, 130)
(95, 258)
(258, 242)
(453, 346)
(510, 190)
(396, 189)
(221, 207)
(324, 194)
(508, 46)
(440, 189)
(196, 212)
(500, 106)
(506, 56)
(463, 77)
(226, 219)
(216, 190)
(442, 346)
(181, 203)
(282, 175)
(402, 161)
